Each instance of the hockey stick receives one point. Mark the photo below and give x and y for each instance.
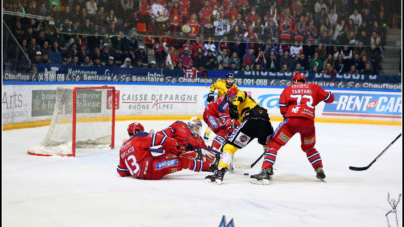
(243, 166)
(162, 151)
(367, 167)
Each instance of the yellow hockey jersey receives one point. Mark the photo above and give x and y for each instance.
(220, 85)
(244, 104)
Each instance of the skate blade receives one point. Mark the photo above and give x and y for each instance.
(259, 182)
(322, 180)
(208, 181)
(218, 181)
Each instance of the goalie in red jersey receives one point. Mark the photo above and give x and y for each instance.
(189, 132)
(297, 104)
(135, 158)
(218, 119)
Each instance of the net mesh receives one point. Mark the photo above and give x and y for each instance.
(93, 122)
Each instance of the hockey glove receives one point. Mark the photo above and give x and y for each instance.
(233, 111)
(186, 146)
(211, 96)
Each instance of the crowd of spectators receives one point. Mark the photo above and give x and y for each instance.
(328, 36)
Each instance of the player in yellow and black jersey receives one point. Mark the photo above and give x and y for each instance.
(222, 86)
(254, 122)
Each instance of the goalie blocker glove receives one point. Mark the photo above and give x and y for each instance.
(211, 97)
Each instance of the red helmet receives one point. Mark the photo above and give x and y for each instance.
(135, 126)
(232, 92)
(299, 76)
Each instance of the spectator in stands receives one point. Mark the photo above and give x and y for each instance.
(326, 27)
(87, 61)
(246, 68)
(340, 64)
(160, 52)
(339, 35)
(76, 12)
(328, 70)
(351, 27)
(235, 59)
(319, 6)
(32, 9)
(152, 65)
(45, 48)
(286, 60)
(382, 20)
(356, 61)
(250, 57)
(285, 69)
(69, 60)
(67, 14)
(316, 61)
(258, 68)
(272, 62)
(335, 52)
(361, 50)
(118, 56)
(260, 60)
(75, 61)
(351, 38)
(142, 55)
(37, 59)
(111, 29)
(304, 64)
(325, 39)
(368, 70)
(127, 64)
(285, 28)
(343, 10)
(210, 46)
(34, 70)
(111, 17)
(381, 32)
(314, 70)
(363, 38)
(368, 17)
(356, 18)
(375, 39)
(299, 69)
(92, 8)
(132, 43)
(320, 17)
(33, 47)
(186, 58)
(43, 11)
(179, 66)
(223, 60)
(210, 61)
(233, 66)
(97, 62)
(311, 33)
(309, 49)
(347, 54)
(24, 46)
(194, 24)
(271, 28)
(83, 52)
(100, 17)
(296, 49)
(365, 28)
(353, 70)
(333, 17)
(374, 57)
(329, 60)
(357, 5)
(198, 61)
(111, 62)
(322, 51)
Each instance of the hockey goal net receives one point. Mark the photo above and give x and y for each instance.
(84, 117)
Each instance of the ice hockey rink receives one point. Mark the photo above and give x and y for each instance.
(87, 191)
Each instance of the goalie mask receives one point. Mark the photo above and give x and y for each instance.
(195, 126)
(132, 128)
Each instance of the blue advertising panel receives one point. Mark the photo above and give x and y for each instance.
(364, 105)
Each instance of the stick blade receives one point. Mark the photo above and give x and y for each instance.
(242, 166)
(358, 168)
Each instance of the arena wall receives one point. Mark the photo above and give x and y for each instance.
(27, 105)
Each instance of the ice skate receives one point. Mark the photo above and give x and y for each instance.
(217, 177)
(213, 166)
(262, 177)
(320, 173)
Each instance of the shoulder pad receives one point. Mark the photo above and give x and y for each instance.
(223, 106)
(141, 134)
(180, 122)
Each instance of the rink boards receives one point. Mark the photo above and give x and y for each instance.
(26, 105)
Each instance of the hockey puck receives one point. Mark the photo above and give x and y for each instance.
(246, 174)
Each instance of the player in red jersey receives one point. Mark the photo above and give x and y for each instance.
(188, 132)
(217, 117)
(297, 104)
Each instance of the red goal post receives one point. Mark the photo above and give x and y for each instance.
(83, 117)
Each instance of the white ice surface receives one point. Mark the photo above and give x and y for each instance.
(87, 191)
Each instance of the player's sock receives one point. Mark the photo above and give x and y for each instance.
(270, 158)
(198, 165)
(314, 158)
(217, 142)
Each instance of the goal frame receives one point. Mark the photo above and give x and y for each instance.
(74, 118)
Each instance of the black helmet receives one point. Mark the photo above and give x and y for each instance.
(229, 75)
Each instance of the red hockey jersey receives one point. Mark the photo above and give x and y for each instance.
(219, 108)
(205, 12)
(134, 150)
(300, 100)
